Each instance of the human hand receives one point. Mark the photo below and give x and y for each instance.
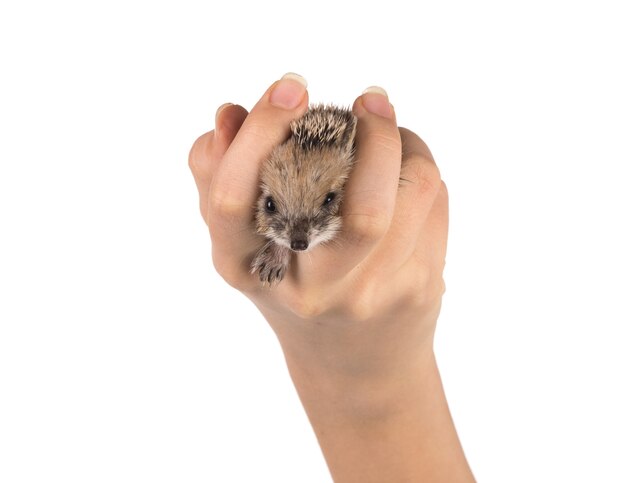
(387, 263)
(355, 317)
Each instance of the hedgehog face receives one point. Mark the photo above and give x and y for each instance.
(301, 193)
(303, 180)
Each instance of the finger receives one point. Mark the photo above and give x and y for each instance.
(429, 255)
(419, 277)
(235, 184)
(228, 120)
(420, 183)
(370, 193)
(209, 148)
(437, 235)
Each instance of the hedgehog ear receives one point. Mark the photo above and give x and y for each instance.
(349, 135)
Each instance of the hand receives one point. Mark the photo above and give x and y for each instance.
(355, 317)
(385, 269)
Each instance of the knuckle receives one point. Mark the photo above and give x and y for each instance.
(231, 272)
(383, 140)
(427, 286)
(223, 206)
(256, 129)
(305, 307)
(362, 307)
(362, 304)
(263, 130)
(195, 160)
(422, 171)
(369, 225)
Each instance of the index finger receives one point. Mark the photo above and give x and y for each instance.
(235, 185)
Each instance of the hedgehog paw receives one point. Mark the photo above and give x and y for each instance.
(271, 264)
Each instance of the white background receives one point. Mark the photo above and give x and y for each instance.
(124, 357)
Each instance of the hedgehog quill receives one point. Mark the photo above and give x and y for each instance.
(302, 185)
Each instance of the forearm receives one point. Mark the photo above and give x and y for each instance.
(390, 424)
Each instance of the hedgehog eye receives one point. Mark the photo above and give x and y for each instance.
(270, 206)
(329, 198)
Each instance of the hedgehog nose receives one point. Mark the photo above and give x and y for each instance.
(299, 244)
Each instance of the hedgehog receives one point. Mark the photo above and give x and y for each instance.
(302, 186)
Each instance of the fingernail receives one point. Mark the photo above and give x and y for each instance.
(221, 108)
(376, 101)
(288, 91)
(217, 116)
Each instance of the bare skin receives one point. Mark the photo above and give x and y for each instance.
(356, 317)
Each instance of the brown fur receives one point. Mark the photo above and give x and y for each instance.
(298, 178)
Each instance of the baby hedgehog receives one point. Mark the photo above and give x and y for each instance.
(302, 187)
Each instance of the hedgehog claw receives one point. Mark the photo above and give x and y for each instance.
(271, 263)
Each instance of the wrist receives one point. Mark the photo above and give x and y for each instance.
(366, 364)
(360, 392)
